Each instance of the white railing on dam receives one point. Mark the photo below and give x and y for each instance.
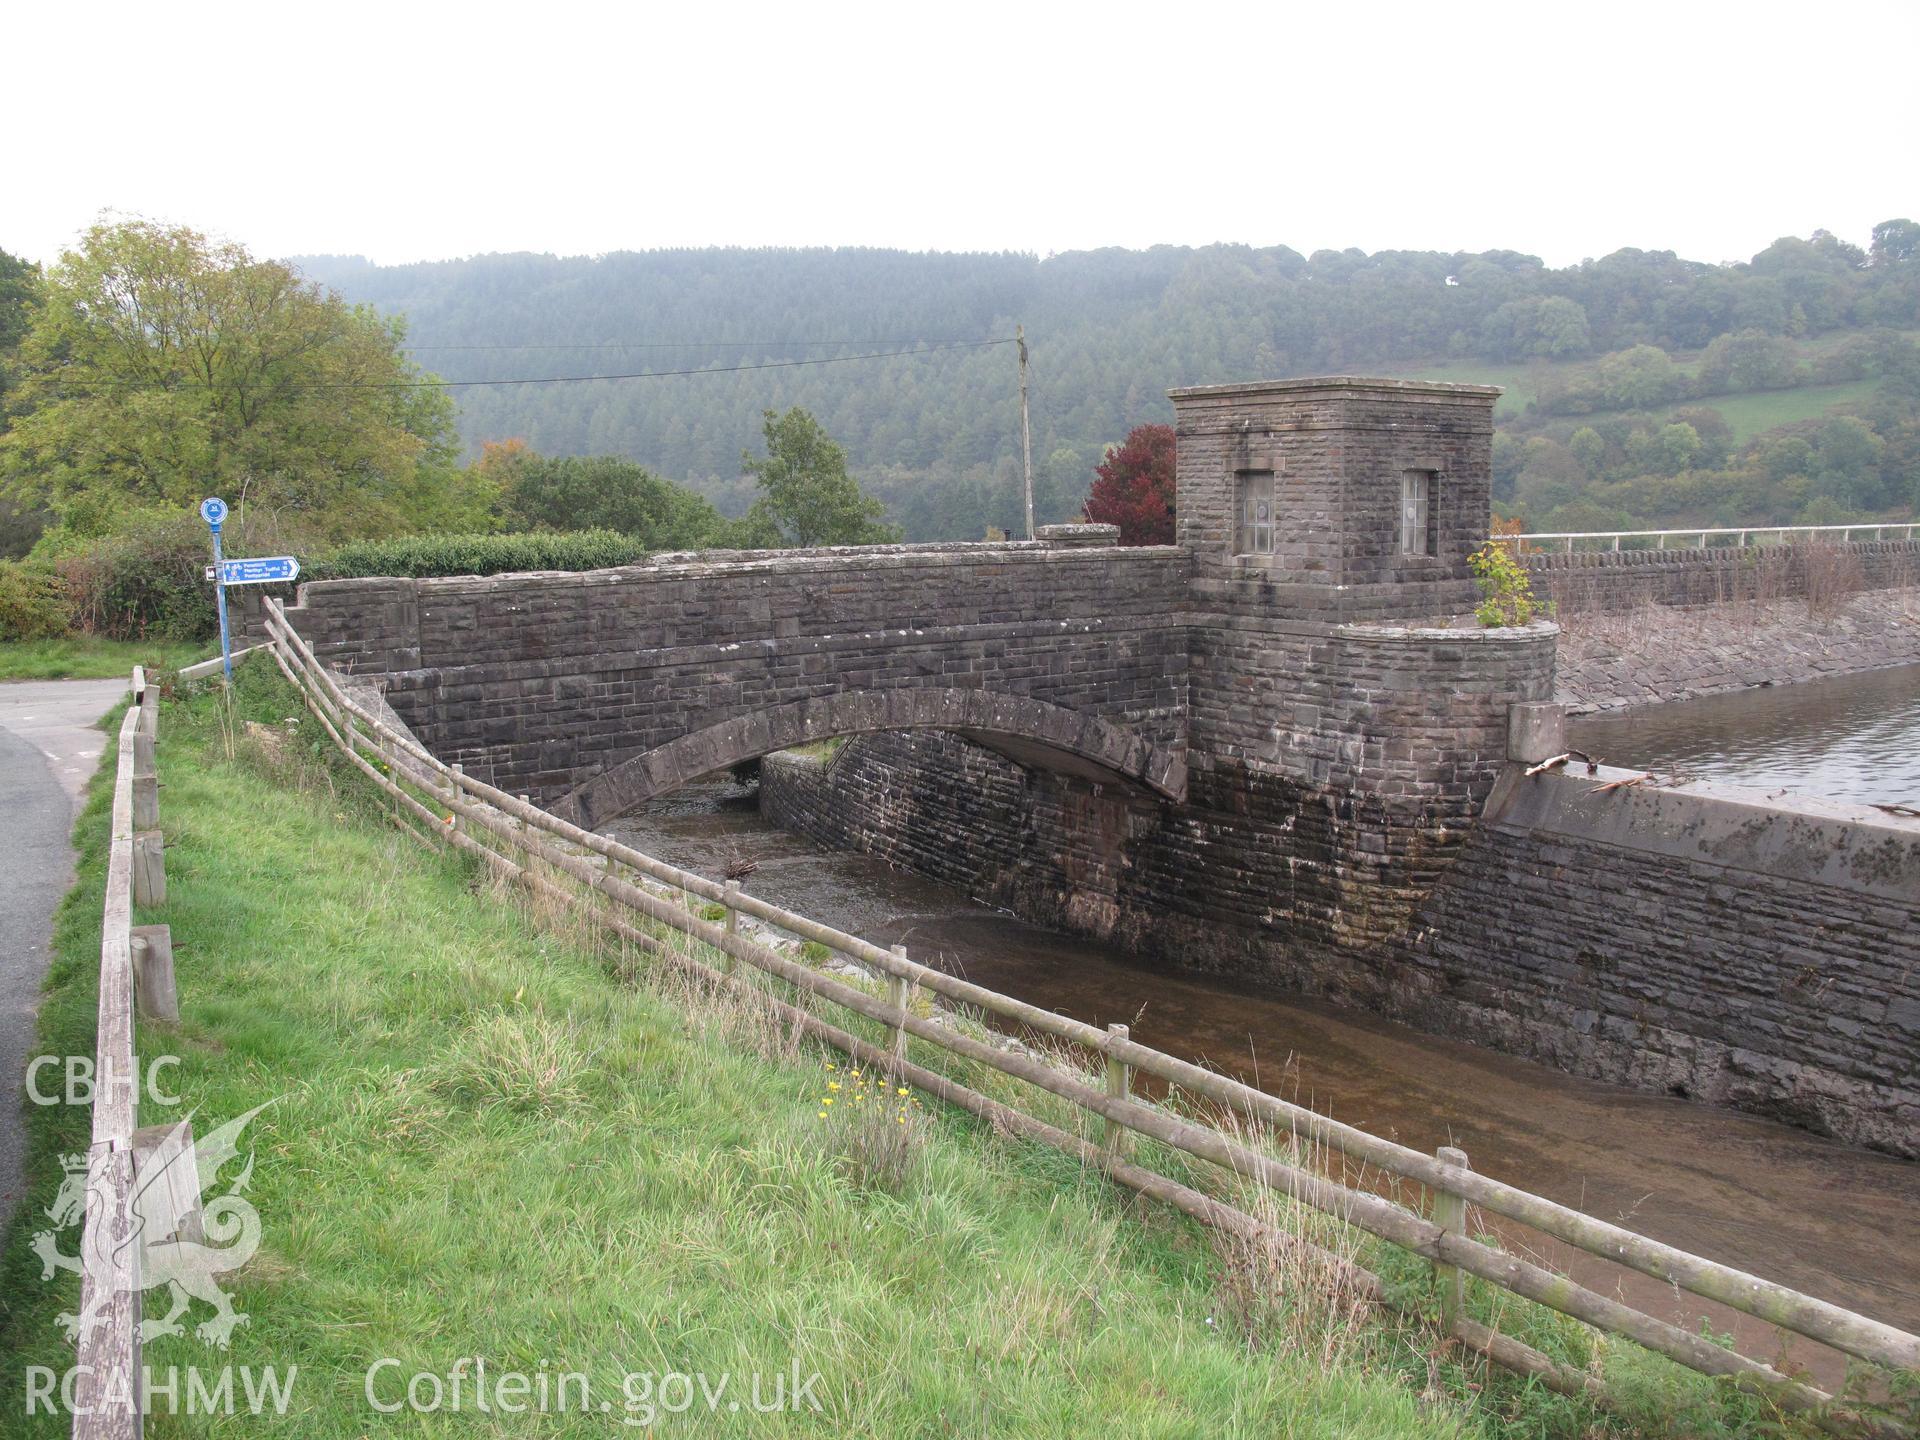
(1761, 535)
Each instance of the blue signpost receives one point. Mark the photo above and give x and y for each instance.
(213, 510)
(255, 570)
(260, 570)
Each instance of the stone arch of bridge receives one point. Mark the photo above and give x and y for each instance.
(1027, 731)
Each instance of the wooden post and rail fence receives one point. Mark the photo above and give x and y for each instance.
(643, 900)
(136, 975)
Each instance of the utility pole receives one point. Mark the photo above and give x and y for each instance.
(1026, 429)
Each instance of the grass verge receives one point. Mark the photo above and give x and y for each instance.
(87, 657)
(483, 1140)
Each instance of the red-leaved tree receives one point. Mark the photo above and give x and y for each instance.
(1133, 487)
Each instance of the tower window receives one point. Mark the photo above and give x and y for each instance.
(1416, 512)
(1253, 524)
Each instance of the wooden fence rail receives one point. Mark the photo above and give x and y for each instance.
(134, 962)
(453, 808)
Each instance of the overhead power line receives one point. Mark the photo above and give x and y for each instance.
(436, 383)
(691, 344)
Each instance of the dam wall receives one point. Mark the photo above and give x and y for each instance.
(1617, 580)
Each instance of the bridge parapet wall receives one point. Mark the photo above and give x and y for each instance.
(541, 681)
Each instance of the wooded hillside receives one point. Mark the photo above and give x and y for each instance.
(937, 434)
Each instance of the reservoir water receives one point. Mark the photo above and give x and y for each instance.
(1835, 1221)
(1853, 737)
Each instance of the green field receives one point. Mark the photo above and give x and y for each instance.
(1749, 414)
(1758, 411)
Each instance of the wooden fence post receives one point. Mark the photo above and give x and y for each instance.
(385, 752)
(453, 789)
(729, 963)
(1119, 1087)
(153, 985)
(1450, 1213)
(167, 1172)
(149, 869)
(146, 779)
(899, 995)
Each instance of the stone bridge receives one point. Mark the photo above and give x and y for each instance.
(1289, 678)
(597, 692)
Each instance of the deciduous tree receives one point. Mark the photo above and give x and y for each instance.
(1589, 449)
(1133, 487)
(807, 498)
(604, 492)
(163, 366)
(1895, 242)
(20, 523)
(19, 290)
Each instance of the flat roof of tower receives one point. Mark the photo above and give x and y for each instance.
(1338, 382)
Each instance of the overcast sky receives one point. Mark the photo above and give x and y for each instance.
(411, 131)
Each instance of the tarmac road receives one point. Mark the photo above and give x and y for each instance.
(49, 749)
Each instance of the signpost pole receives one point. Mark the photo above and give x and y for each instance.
(220, 599)
(213, 510)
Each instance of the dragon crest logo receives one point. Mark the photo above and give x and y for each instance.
(174, 1247)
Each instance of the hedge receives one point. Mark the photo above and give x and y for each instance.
(425, 556)
(147, 583)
